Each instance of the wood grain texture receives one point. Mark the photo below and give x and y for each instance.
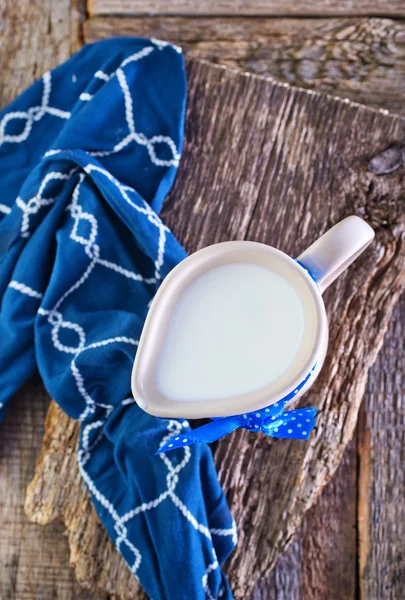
(275, 177)
(34, 37)
(358, 58)
(320, 563)
(33, 560)
(27, 51)
(246, 7)
(382, 484)
(285, 581)
(329, 537)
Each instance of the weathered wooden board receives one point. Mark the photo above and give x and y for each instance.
(321, 562)
(33, 560)
(283, 165)
(358, 58)
(246, 7)
(26, 51)
(329, 537)
(382, 474)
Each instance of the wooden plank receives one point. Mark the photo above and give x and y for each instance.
(34, 561)
(270, 8)
(382, 476)
(33, 39)
(275, 176)
(358, 58)
(329, 547)
(321, 562)
(285, 581)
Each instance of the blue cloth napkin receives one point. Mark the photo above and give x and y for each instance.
(87, 156)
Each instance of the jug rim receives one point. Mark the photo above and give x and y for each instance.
(311, 351)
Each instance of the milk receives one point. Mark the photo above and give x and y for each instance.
(234, 330)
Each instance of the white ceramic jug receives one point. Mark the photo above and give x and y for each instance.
(307, 277)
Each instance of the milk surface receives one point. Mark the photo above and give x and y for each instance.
(235, 330)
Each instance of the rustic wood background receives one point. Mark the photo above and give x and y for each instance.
(352, 543)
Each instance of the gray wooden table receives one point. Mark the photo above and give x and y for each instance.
(352, 543)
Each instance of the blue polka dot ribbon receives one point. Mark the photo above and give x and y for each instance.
(273, 421)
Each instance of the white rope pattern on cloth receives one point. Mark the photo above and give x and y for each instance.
(33, 114)
(24, 289)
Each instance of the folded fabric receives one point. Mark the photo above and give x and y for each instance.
(87, 156)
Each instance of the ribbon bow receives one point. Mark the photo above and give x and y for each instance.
(273, 421)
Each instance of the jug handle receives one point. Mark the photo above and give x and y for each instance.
(334, 251)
